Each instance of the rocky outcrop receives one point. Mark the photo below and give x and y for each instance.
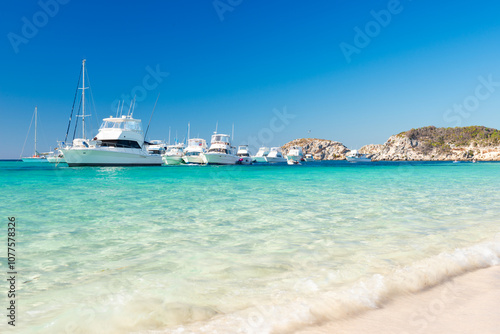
(439, 144)
(321, 149)
(371, 149)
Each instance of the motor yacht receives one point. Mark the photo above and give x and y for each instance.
(275, 156)
(295, 155)
(194, 150)
(355, 156)
(244, 155)
(261, 154)
(308, 157)
(220, 152)
(119, 142)
(156, 147)
(173, 155)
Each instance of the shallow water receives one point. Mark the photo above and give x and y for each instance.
(249, 249)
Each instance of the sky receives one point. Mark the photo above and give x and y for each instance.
(351, 71)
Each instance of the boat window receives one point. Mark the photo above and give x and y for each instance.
(120, 143)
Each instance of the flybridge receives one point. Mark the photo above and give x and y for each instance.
(123, 123)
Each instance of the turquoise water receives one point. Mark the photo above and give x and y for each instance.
(238, 249)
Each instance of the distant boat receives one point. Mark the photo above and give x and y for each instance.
(295, 156)
(244, 155)
(36, 156)
(194, 150)
(308, 157)
(156, 147)
(261, 154)
(220, 152)
(173, 155)
(275, 156)
(355, 156)
(56, 157)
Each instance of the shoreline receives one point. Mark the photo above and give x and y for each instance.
(467, 303)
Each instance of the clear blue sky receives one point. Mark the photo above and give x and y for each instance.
(240, 61)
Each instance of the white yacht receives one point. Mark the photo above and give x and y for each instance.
(244, 155)
(354, 156)
(194, 150)
(275, 156)
(295, 155)
(156, 147)
(261, 154)
(56, 157)
(308, 157)
(119, 142)
(173, 155)
(220, 152)
(36, 156)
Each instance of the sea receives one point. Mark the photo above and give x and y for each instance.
(237, 249)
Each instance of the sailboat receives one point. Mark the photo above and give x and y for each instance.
(119, 142)
(36, 157)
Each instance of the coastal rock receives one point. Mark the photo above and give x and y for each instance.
(438, 144)
(321, 149)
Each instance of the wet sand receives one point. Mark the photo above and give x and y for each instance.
(466, 304)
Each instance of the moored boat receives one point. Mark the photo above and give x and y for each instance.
(261, 154)
(220, 152)
(275, 156)
(173, 155)
(244, 155)
(194, 150)
(36, 157)
(355, 156)
(295, 156)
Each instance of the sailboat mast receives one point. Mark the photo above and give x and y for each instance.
(36, 115)
(83, 99)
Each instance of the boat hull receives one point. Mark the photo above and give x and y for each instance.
(34, 159)
(56, 160)
(172, 160)
(193, 159)
(244, 161)
(259, 159)
(220, 159)
(275, 160)
(356, 159)
(78, 157)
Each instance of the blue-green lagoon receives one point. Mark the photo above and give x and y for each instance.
(238, 249)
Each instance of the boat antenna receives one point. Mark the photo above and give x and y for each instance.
(130, 107)
(216, 126)
(73, 107)
(147, 129)
(83, 99)
(118, 109)
(232, 134)
(36, 116)
(169, 128)
(29, 129)
(121, 110)
(133, 108)
(189, 128)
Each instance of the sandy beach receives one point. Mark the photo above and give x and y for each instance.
(468, 303)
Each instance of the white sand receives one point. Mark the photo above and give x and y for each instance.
(467, 304)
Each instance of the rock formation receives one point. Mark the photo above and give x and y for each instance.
(321, 149)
